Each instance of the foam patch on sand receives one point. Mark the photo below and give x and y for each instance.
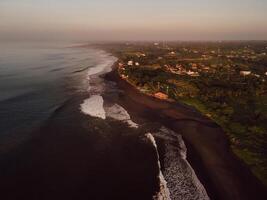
(119, 113)
(163, 193)
(94, 107)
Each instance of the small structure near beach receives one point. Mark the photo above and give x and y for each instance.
(245, 73)
(130, 63)
(161, 96)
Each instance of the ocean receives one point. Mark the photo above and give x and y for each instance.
(64, 133)
(36, 79)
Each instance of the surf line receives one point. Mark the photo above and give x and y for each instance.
(163, 193)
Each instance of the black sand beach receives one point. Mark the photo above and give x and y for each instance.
(222, 173)
(76, 156)
(72, 155)
(68, 161)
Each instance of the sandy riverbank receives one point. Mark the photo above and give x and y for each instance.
(222, 173)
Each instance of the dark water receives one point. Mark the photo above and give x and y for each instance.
(49, 149)
(35, 80)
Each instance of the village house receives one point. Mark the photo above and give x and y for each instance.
(124, 76)
(191, 73)
(130, 63)
(194, 66)
(245, 73)
(161, 96)
(139, 54)
(206, 68)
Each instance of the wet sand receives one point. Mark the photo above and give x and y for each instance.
(224, 176)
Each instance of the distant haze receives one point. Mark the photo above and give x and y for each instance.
(133, 20)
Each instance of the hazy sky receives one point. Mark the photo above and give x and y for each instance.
(133, 19)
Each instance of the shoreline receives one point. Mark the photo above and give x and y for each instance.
(223, 174)
(76, 156)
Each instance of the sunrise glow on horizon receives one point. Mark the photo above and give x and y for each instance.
(134, 20)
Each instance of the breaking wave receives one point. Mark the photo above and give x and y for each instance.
(181, 179)
(119, 113)
(163, 193)
(94, 107)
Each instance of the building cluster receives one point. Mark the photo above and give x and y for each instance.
(194, 62)
(178, 69)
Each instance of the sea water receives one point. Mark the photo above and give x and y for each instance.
(36, 82)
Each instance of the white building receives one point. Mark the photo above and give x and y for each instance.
(191, 73)
(130, 63)
(245, 73)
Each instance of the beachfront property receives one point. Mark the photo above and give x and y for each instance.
(245, 73)
(192, 73)
(130, 63)
(161, 96)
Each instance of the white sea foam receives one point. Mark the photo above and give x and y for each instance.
(163, 193)
(119, 113)
(103, 67)
(94, 107)
(181, 179)
(96, 84)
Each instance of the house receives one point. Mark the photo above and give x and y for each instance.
(161, 95)
(124, 76)
(191, 73)
(257, 75)
(130, 63)
(194, 65)
(206, 68)
(245, 73)
(139, 54)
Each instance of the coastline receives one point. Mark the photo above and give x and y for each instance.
(223, 174)
(77, 156)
